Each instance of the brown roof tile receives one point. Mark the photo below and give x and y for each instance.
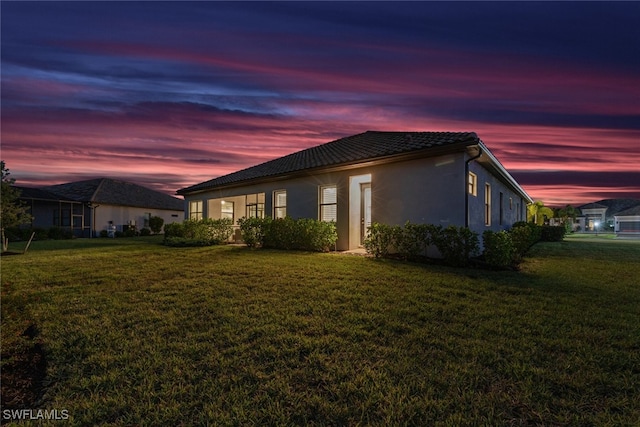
(362, 147)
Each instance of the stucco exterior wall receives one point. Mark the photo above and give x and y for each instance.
(428, 190)
(512, 205)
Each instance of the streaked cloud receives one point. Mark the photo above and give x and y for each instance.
(169, 94)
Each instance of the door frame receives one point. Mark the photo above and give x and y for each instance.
(365, 209)
(355, 208)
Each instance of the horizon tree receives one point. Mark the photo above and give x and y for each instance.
(12, 212)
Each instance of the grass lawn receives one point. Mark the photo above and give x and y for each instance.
(130, 332)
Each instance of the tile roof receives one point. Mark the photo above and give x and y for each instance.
(114, 192)
(593, 205)
(630, 212)
(362, 147)
(39, 194)
(613, 205)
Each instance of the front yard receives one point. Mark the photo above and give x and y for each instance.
(134, 333)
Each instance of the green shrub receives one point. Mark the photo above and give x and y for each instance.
(287, 233)
(380, 239)
(56, 233)
(218, 230)
(172, 230)
(521, 241)
(498, 248)
(129, 231)
(203, 232)
(104, 233)
(280, 233)
(155, 224)
(315, 235)
(411, 241)
(252, 230)
(535, 231)
(145, 232)
(16, 234)
(457, 245)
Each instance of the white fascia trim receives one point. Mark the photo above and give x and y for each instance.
(506, 175)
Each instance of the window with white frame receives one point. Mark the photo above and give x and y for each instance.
(255, 205)
(226, 210)
(487, 204)
(328, 203)
(279, 204)
(472, 184)
(195, 209)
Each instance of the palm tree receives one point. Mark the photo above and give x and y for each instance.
(537, 212)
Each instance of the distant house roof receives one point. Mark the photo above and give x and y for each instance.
(114, 192)
(630, 212)
(613, 206)
(367, 146)
(32, 193)
(592, 206)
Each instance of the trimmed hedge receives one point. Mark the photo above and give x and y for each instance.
(498, 248)
(457, 245)
(17, 234)
(288, 233)
(411, 241)
(203, 232)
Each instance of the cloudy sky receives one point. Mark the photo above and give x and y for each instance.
(169, 94)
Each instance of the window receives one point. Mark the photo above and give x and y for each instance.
(226, 210)
(501, 207)
(472, 184)
(487, 204)
(328, 203)
(195, 209)
(62, 218)
(279, 204)
(255, 205)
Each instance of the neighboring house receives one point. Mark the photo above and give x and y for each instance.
(593, 217)
(88, 207)
(442, 178)
(628, 221)
(604, 212)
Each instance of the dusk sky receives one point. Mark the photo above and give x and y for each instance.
(170, 94)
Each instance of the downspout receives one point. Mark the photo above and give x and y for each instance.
(93, 208)
(466, 186)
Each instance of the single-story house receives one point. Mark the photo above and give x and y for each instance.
(627, 222)
(442, 178)
(603, 212)
(88, 207)
(593, 217)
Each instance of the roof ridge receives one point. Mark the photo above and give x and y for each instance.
(95, 193)
(363, 146)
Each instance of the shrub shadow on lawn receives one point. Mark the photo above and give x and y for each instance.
(23, 373)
